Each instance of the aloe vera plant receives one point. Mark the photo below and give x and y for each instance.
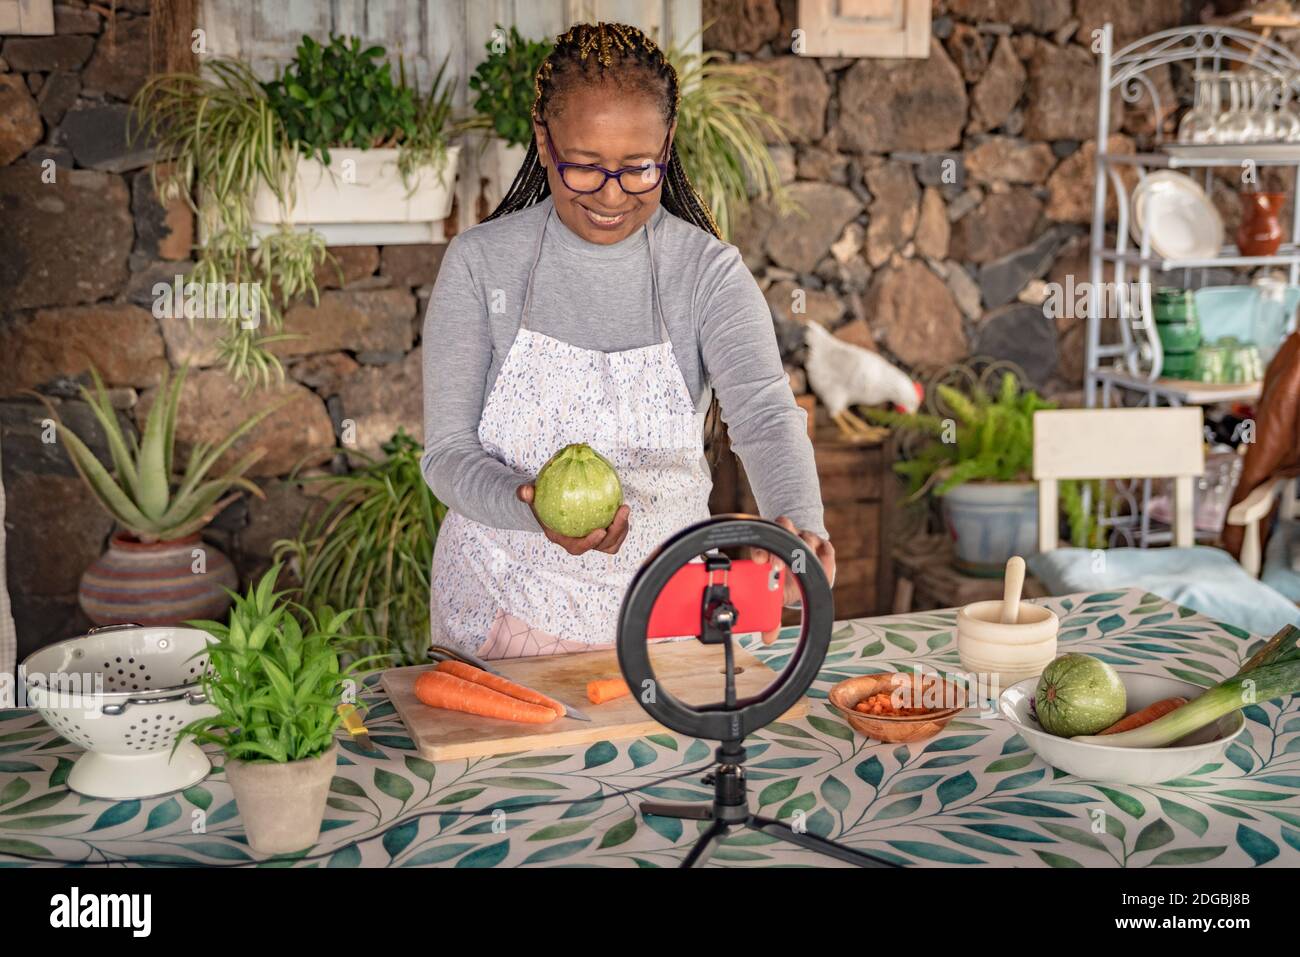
(275, 677)
(143, 494)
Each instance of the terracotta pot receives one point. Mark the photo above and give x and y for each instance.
(282, 805)
(156, 584)
(1260, 233)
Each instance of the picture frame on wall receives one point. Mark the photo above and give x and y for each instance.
(864, 28)
(27, 17)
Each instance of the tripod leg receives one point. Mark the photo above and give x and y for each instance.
(812, 842)
(689, 812)
(706, 845)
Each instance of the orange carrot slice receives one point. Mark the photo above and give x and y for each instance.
(606, 689)
(497, 683)
(1146, 715)
(441, 690)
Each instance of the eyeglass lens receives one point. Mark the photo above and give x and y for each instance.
(583, 179)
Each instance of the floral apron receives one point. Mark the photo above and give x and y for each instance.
(507, 593)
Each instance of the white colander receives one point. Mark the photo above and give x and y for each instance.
(123, 692)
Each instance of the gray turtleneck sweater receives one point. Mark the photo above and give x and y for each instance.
(599, 297)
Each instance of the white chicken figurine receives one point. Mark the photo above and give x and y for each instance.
(843, 374)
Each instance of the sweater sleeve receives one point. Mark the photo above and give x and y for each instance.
(463, 476)
(768, 430)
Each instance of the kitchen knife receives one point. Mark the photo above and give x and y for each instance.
(442, 653)
(356, 727)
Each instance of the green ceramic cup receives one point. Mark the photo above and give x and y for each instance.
(1179, 365)
(1210, 364)
(1179, 338)
(1174, 305)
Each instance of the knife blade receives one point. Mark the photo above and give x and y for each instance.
(356, 727)
(441, 653)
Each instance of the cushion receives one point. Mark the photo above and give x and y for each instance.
(1279, 571)
(1202, 578)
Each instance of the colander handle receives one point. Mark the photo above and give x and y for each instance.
(193, 697)
(103, 628)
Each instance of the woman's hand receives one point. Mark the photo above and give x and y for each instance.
(607, 540)
(823, 550)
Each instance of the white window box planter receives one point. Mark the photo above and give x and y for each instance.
(506, 159)
(489, 167)
(360, 198)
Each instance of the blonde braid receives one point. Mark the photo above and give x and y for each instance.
(582, 40)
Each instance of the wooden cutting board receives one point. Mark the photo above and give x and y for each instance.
(691, 671)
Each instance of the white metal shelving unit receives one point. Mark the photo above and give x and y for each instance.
(1121, 371)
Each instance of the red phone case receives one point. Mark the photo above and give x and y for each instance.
(676, 611)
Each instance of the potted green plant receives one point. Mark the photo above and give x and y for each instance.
(276, 681)
(979, 462)
(271, 167)
(370, 547)
(156, 570)
(504, 92)
(373, 149)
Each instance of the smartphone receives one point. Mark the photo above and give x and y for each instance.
(756, 591)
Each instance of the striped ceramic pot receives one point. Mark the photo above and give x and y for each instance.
(163, 583)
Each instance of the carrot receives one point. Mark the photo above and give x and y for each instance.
(1146, 715)
(882, 703)
(606, 689)
(440, 690)
(497, 683)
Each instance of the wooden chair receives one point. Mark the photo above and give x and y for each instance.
(1275, 565)
(1253, 509)
(1118, 444)
(1146, 443)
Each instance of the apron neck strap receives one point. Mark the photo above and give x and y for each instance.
(661, 324)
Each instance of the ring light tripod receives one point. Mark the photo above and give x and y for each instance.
(732, 719)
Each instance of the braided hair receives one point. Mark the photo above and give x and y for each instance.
(624, 55)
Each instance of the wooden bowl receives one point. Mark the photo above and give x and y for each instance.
(899, 730)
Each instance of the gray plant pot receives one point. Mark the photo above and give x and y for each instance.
(282, 805)
(989, 522)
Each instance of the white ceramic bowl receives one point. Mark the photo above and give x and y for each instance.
(1103, 762)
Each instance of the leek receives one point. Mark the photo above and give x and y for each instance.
(1272, 672)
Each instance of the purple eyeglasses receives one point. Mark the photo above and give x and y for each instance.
(587, 179)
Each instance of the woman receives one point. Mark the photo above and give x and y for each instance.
(595, 305)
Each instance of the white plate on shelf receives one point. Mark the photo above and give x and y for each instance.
(1234, 152)
(1184, 223)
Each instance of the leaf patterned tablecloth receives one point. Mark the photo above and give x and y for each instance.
(975, 795)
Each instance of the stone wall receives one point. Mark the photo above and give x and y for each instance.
(945, 193)
(893, 254)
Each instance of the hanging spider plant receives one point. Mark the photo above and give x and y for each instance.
(217, 134)
(222, 134)
(722, 133)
